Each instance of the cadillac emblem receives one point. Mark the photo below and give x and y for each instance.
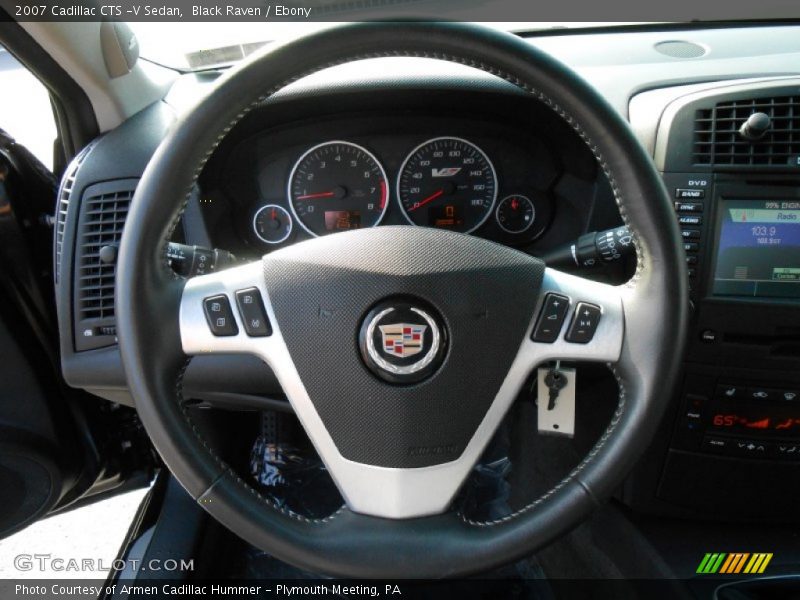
(402, 341)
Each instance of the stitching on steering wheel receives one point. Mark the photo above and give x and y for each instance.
(231, 472)
(542, 98)
(586, 460)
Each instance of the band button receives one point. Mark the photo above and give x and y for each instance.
(693, 194)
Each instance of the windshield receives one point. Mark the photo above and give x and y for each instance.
(204, 45)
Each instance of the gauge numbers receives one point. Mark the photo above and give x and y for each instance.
(337, 186)
(447, 183)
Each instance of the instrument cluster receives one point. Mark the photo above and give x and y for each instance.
(480, 177)
(443, 182)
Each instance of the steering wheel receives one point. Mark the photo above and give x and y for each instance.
(399, 429)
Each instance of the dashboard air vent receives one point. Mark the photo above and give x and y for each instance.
(104, 218)
(64, 193)
(718, 140)
(104, 208)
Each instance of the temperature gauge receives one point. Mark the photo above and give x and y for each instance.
(515, 213)
(272, 224)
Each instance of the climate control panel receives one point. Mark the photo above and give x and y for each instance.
(723, 416)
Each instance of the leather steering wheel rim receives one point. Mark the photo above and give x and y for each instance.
(149, 296)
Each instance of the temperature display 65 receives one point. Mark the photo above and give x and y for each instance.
(766, 423)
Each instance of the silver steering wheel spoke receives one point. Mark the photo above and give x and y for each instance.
(576, 320)
(210, 301)
(383, 491)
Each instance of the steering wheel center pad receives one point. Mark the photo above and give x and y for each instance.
(322, 290)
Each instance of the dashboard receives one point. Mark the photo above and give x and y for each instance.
(456, 149)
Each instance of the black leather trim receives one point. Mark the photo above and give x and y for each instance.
(354, 545)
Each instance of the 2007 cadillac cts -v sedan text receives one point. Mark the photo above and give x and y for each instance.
(412, 300)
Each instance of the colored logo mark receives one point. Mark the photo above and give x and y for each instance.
(734, 562)
(403, 339)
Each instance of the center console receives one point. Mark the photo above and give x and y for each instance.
(732, 437)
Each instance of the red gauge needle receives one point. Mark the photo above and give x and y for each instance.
(319, 195)
(430, 198)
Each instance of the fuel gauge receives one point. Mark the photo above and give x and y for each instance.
(515, 213)
(272, 224)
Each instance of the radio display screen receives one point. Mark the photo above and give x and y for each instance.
(758, 249)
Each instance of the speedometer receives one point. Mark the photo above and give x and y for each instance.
(448, 183)
(337, 186)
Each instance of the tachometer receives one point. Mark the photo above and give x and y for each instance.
(337, 186)
(447, 183)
